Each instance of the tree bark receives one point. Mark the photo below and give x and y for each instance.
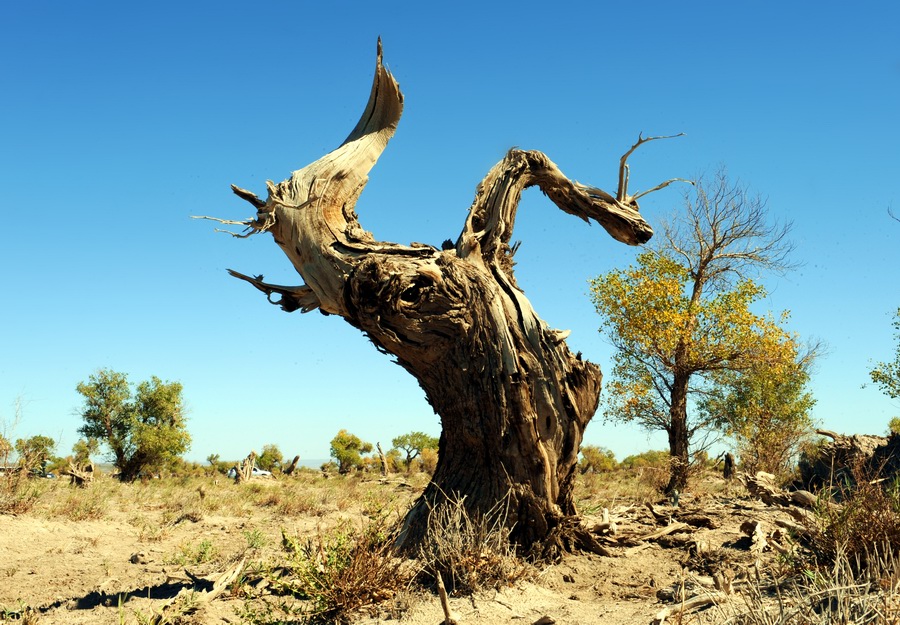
(678, 434)
(512, 399)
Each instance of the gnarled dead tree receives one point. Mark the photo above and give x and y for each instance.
(513, 400)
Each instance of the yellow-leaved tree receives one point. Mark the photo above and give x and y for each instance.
(765, 409)
(683, 313)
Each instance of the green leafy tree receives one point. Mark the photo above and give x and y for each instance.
(682, 314)
(213, 459)
(270, 459)
(766, 409)
(347, 450)
(596, 459)
(894, 426)
(145, 430)
(35, 452)
(887, 374)
(412, 445)
(83, 449)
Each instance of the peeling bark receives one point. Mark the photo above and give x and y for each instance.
(513, 400)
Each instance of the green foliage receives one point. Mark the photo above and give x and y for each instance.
(255, 539)
(765, 408)
(347, 450)
(35, 452)
(412, 445)
(270, 459)
(894, 425)
(83, 449)
(887, 374)
(656, 459)
(202, 552)
(596, 459)
(219, 465)
(144, 430)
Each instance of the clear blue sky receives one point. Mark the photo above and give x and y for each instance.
(119, 120)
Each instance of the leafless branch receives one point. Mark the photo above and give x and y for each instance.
(293, 298)
(248, 195)
(662, 185)
(725, 233)
(622, 193)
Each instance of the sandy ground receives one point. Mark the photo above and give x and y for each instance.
(124, 566)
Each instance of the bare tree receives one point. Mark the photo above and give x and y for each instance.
(513, 400)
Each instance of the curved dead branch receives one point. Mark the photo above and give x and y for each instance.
(490, 223)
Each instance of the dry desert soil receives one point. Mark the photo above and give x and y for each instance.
(150, 552)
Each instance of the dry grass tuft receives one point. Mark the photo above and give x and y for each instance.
(470, 554)
(846, 592)
(859, 517)
(83, 504)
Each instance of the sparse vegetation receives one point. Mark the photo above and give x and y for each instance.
(341, 570)
(857, 524)
(840, 593)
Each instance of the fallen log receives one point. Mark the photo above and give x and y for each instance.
(690, 605)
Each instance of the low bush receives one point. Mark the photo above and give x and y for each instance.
(343, 572)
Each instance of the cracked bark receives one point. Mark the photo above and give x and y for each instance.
(512, 399)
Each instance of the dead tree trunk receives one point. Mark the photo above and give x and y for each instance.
(728, 471)
(513, 400)
(289, 469)
(382, 459)
(243, 470)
